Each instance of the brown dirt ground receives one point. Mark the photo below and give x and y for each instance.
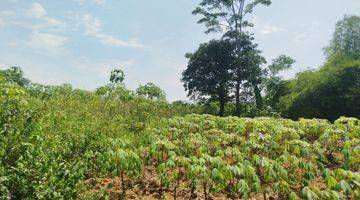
(148, 189)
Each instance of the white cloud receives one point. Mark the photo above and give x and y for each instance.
(92, 24)
(268, 29)
(263, 26)
(51, 22)
(2, 23)
(7, 13)
(81, 2)
(12, 1)
(101, 68)
(47, 41)
(36, 11)
(300, 38)
(93, 28)
(98, 2)
(307, 33)
(255, 20)
(4, 17)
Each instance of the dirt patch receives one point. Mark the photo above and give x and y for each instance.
(148, 187)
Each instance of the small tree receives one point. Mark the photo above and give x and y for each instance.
(151, 91)
(116, 88)
(117, 77)
(15, 75)
(208, 74)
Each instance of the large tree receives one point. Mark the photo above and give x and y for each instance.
(247, 71)
(230, 16)
(346, 38)
(208, 74)
(255, 74)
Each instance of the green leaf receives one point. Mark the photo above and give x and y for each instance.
(293, 196)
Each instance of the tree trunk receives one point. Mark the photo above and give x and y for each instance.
(258, 98)
(222, 105)
(237, 99)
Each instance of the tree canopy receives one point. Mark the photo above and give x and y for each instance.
(208, 74)
(228, 15)
(346, 38)
(275, 85)
(151, 91)
(328, 93)
(15, 75)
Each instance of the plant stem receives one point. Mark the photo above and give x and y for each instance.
(177, 184)
(205, 191)
(122, 196)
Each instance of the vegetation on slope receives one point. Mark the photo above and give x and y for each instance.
(58, 142)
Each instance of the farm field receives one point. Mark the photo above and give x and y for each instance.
(76, 144)
(206, 157)
(179, 100)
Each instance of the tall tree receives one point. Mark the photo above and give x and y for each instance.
(243, 63)
(208, 74)
(275, 85)
(256, 75)
(346, 38)
(229, 16)
(246, 67)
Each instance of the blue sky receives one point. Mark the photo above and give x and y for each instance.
(80, 41)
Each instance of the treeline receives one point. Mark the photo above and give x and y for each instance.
(149, 96)
(231, 75)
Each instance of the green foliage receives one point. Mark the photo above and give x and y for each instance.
(151, 91)
(230, 16)
(55, 137)
(247, 72)
(279, 64)
(275, 86)
(329, 93)
(243, 157)
(117, 77)
(15, 75)
(224, 14)
(208, 74)
(52, 145)
(346, 38)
